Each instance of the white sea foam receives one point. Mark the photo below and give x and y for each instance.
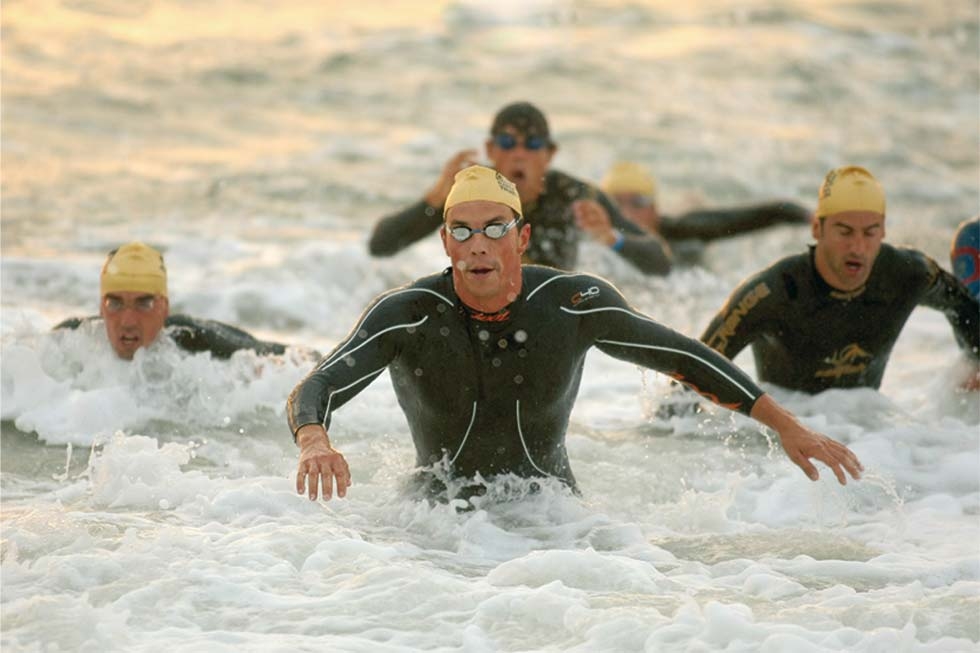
(151, 505)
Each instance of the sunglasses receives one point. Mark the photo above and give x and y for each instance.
(507, 141)
(494, 231)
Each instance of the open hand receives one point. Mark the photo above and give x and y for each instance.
(320, 464)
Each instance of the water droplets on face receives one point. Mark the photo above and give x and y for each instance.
(462, 266)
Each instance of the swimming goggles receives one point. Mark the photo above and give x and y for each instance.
(494, 231)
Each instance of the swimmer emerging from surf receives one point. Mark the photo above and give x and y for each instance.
(561, 208)
(135, 309)
(633, 188)
(486, 358)
(828, 318)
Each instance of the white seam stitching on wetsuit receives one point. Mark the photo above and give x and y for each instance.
(327, 363)
(520, 434)
(610, 308)
(465, 435)
(326, 413)
(380, 302)
(685, 353)
(554, 278)
(678, 351)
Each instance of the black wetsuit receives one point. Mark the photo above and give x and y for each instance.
(493, 397)
(808, 336)
(711, 224)
(554, 234)
(195, 335)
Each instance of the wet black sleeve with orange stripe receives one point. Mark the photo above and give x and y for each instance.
(619, 330)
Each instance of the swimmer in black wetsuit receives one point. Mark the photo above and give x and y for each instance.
(135, 309)
(830, 317)
(634, 191)
(486, 358)
(558, 206)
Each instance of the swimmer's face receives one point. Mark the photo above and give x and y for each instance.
(847, 246)
(486, 272)
(133, 320)
(522, 158)
(638, 209)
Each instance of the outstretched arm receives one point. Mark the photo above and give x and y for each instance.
(395, 232)
(221, 339)
(801, 443)
(336, 379)
(947, 294)
(647, 251)
(626, 334)
(711, 224)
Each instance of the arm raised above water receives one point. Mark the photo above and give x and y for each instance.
(624, 333)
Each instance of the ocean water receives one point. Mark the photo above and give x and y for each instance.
(150, 506)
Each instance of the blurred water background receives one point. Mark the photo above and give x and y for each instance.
(149, 506)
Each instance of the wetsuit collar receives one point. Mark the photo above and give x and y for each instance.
(503, 315)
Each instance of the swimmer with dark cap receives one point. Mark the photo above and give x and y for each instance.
(562, 209)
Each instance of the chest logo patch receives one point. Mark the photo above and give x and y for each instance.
(848, 360)
(584, 295)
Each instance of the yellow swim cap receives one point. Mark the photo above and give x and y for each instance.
(629, 177)
(850, 188)
(134, 267)
(482, 183)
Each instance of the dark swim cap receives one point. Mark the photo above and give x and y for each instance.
(524, 117)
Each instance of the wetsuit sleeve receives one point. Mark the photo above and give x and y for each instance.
(222, 340)
(72, 323)
(647, 251)
(945, 293)
(395, 232)
(359, 359)
(624, 333)
(711, 224)
(740, 321)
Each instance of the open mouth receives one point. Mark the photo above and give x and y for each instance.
(853, 266)
(517, 176)
(480, 270)
(129, 341)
